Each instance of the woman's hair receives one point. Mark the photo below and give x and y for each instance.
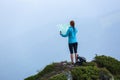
(72, 23)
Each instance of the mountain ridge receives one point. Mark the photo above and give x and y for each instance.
(101, 68)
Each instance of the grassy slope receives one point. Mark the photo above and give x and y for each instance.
(100, 66)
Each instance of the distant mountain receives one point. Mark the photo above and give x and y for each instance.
(101, 68)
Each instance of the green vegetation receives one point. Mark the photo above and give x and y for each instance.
(101, 67)
(89, 73)
(46, 70)
(109, 63)
(59, 77)
(49, 71)
(89, 64)
(85, 73)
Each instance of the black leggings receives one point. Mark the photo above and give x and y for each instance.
(73, 47)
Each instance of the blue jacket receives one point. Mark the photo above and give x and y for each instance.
(71, 34)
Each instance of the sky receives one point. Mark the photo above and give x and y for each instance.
(30, 40)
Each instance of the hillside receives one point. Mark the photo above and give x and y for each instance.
(101, 68)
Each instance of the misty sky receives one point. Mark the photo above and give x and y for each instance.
(29, 36)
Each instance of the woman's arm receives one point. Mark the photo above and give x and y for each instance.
(64, 35)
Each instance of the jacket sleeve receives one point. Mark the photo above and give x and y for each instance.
(76, 30)
(65, 35)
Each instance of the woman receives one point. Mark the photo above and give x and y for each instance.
(72, 41)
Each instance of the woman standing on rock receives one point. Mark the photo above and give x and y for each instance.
(72, 41)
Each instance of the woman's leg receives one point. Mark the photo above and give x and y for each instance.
(72, 58)
(71, 52)
(76, 55)
(75, 50)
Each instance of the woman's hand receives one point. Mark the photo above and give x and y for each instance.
(60, 32)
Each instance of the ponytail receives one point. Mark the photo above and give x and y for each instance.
(72, 23)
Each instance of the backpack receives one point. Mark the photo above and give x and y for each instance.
(80, 60)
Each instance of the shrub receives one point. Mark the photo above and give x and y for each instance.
(95, 70)
(90, 73)
(58, 77)
(104, 73)
(89, 64)
(30, 78)
(110, 63)
(117, 77)
(46, 70)
(85, 73)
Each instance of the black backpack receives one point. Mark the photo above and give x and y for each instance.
(80, 60)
